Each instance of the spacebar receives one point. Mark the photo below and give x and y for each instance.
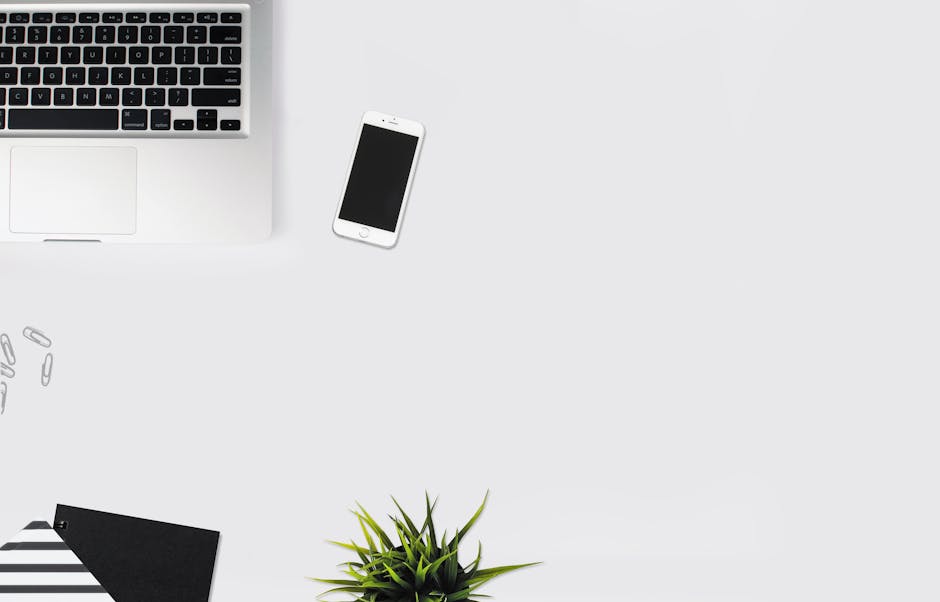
(63, 119)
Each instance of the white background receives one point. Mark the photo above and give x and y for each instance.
(667, 286)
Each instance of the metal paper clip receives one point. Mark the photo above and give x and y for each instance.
(47, 370)
(37, 337)
(7, 371)
(7, 349)
(3, 398)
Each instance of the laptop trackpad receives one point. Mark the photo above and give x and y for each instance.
(73, 190)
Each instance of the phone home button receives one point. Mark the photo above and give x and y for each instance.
(364, 233)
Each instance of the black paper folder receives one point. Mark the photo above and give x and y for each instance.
(37, 565)
(137, 560)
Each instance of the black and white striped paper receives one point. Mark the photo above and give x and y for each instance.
(37, 565)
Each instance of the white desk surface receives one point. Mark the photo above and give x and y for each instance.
(667, 286)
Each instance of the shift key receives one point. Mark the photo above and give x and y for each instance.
(216, 97)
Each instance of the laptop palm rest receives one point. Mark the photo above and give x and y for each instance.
(73, 190)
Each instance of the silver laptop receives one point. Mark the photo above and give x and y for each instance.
(135, 122)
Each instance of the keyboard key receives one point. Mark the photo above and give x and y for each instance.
(86, 97)
(179, 97)
(3, 18)
(42, 97)
(184, 125)
(173, 35)
(115, 55)
(127, 34)
(82, 35)
(3, 96)
(48, 55)
(113, 18)
(29, 76)
(185, 55)
(94, 55)
(19, 18)
(132, 97)
(42, 17)
(19, 97)
(52, 76)
(183, 17)
(15, 35)
(189, 77)
(196, 34)
(139, 55)
(104, 34)
(37, 35)
(162, 55)
(98, 76)
(216, 97)
(6, 55)
(208, 55)
(167, 76)
(88, 18)
(63, 97)
(25, 55)
(121, 76)
(160, 119)
(136, 17)
(221, 34)
(63, 119)
(75, 76)
(71, 55)
(222, 77)
(66, 17)
(159, 17)
(231, 17)
(144, 76)
(150, 35)
(155, 97)
(108, 97)
(207, 120)
(9, 76)
(59, 34)
(207, 18)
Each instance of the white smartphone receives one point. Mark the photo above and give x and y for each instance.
(379, 179)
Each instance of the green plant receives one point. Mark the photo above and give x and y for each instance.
(419, 569)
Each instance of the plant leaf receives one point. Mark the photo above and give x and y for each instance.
(411, 526)
(380, 585)
(450, 568)
(383, 537)
(437, 563)
(362, 552)
(429, 521)
(471, 570)
(369, 540)
(355, 589)
(335, 581)
(409, 553)
(401, 582)
(420, 574)
(460, 534)
(483, 575)
(457, 596)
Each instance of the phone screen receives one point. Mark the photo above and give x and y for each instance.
(379, 177)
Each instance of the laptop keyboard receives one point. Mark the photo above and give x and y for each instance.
(171, 71)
